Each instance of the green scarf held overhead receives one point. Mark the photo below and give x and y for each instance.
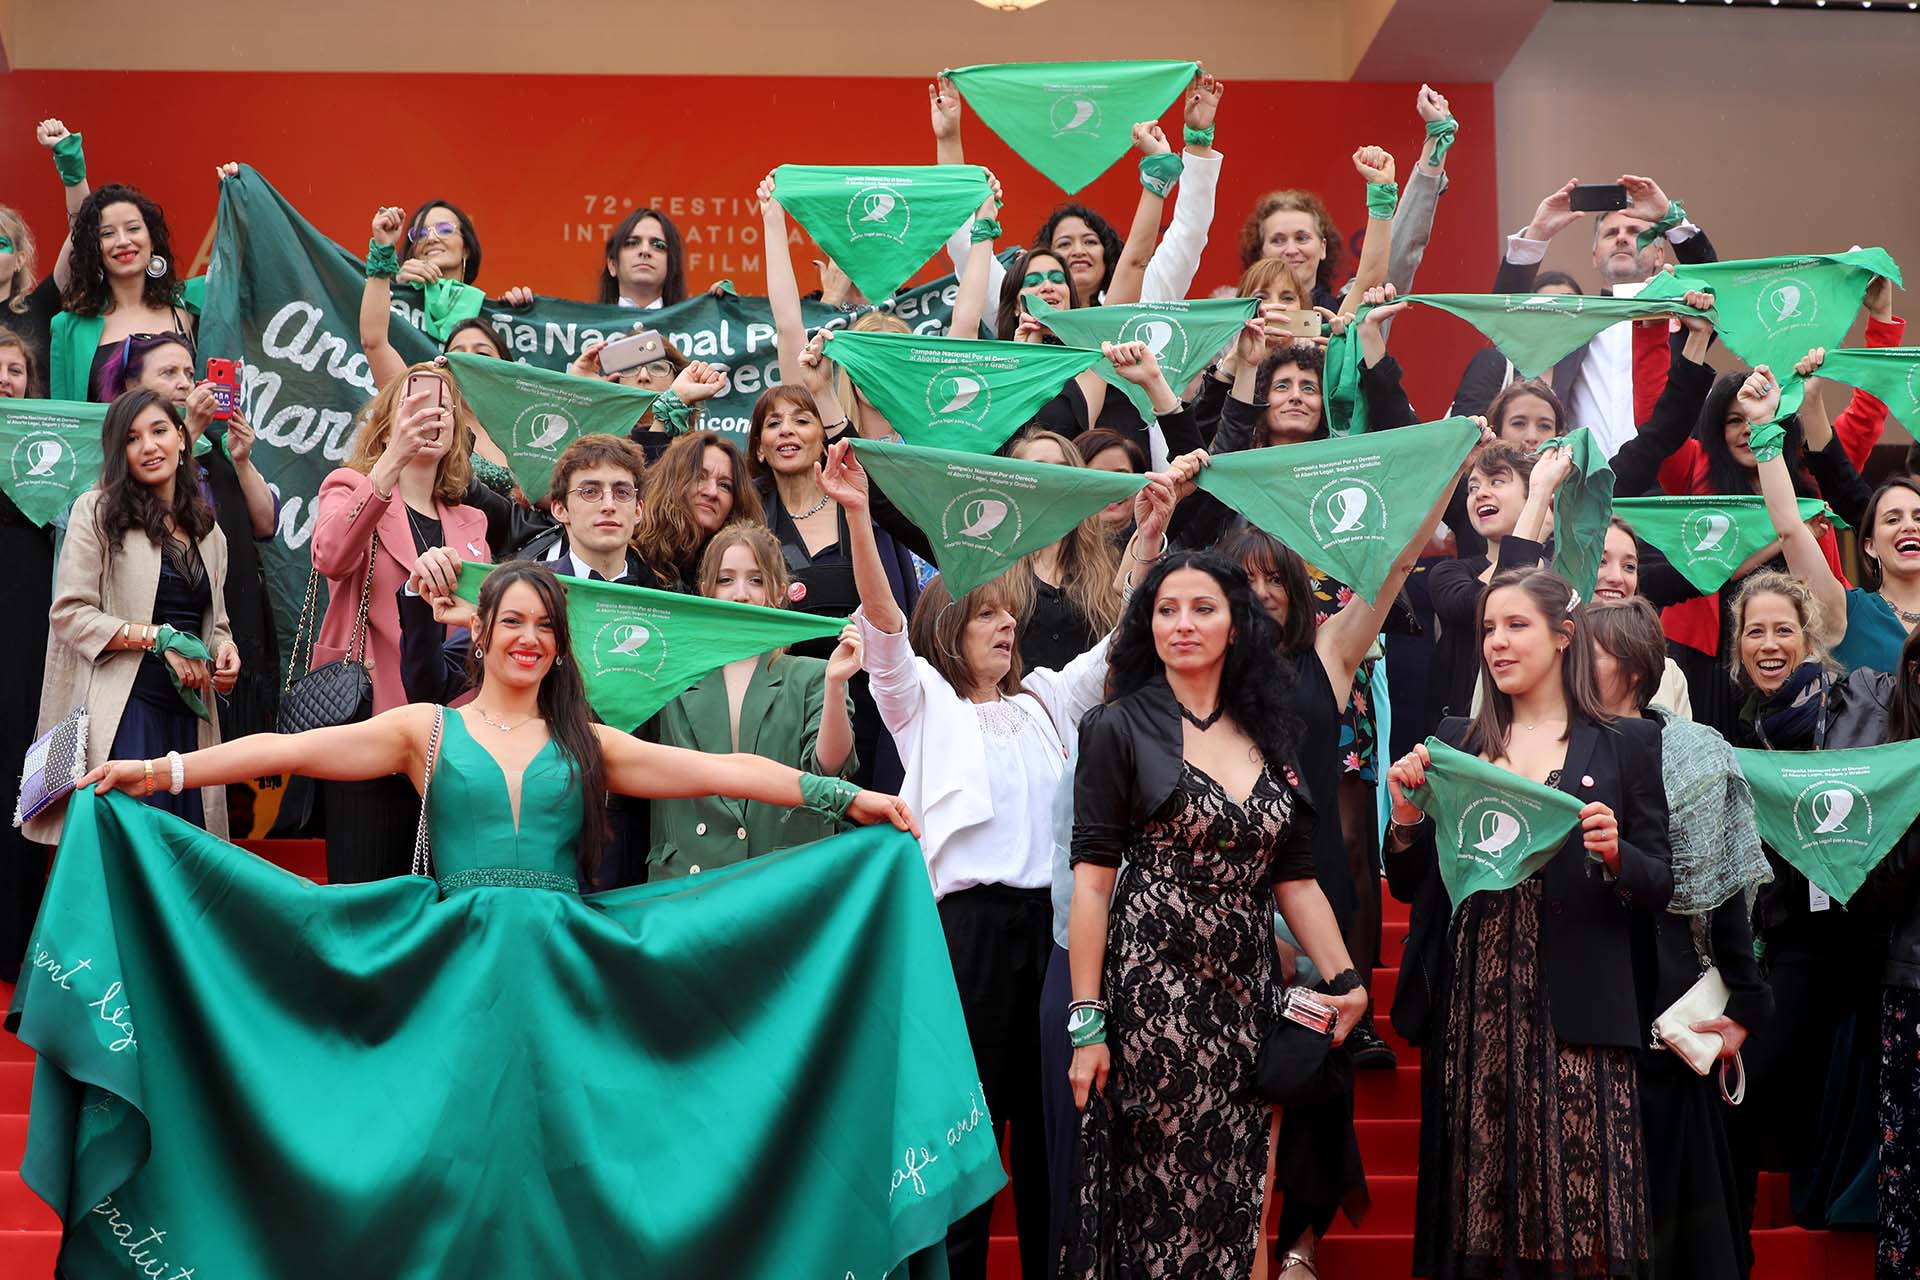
(982, 513)
(956, 393)
(639, 649)
(1071, 120)
(1834, 814)
(1491, 829)
(1348, 505)
(52, 452)
(1773, 311)
(1537, 330)
(1707, 537)
(1891, 374)
(1580, 510)
(1183, 336)
(534, 414)
(882, 222)
(449, 303)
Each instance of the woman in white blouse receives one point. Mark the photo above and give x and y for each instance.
(985, 747)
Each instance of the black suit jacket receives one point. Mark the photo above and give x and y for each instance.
(1587, 925)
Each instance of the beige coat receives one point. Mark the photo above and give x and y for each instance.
(96, 589)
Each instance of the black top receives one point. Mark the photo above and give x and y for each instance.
(35, 327)
(1454, 586)
(181, 601)
(1054, 631)
(1319, 754)
(106, 349)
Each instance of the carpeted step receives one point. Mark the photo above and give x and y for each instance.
(21, 1210)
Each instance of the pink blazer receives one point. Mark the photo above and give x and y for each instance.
(349, 513)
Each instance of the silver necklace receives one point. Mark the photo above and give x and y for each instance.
(815, 509)
(504, 728)
(1909, 618)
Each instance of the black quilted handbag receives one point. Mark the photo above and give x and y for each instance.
(340, 692)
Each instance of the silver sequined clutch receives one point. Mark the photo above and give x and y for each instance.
(54, 764)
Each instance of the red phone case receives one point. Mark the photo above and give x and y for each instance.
(225, 377)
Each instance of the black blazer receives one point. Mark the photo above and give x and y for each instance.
(1587, 931)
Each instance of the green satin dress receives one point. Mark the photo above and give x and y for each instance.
(762, 1071)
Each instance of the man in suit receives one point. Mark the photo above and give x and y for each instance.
(1610, 384)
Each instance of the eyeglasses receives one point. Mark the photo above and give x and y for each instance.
(651, 242)
(1035, 278)
(445, 230)
(593, 491)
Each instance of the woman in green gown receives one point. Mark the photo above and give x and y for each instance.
(244, 1074)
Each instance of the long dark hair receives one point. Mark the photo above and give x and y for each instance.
(562, 699)
(88, 293)
(468, 236)
(1250, 544)
(1724, 475)
(1110, 240)
(480, 324)
(125, 503)
(1006, 321)
(673, 283)
(1871, 573)
(1903, 710)
(1557, 602)
(1256, 687)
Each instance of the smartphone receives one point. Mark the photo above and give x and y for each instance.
(1303, 324)
(430, 382)
(225, 377)
(625, 354)
(1598, 197)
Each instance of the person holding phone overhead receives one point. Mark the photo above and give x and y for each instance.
(394, 507)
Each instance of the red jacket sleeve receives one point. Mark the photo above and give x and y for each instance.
(1859, 424)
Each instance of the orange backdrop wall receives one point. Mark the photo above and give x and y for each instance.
(547, 164)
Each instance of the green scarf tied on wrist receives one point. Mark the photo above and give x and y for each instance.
(1159, 173)
(1676, 214)
(1491, 829)
(383, 263)
(1443, 133)
(449, 303)
(984, 229)
(70, 161)
(1382, 199)
(167, 640)
(1193, 137)
(672, 414)
(1768, 441)
(1581, 509)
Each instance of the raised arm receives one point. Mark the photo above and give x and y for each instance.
(376, 296)
(845, 481)
(1155, 185)
(71, 162)
(970, 304)
(1758, 401)
(1170, 273)
(1375, 167)
(1413, 220)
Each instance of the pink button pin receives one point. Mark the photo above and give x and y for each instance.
(1586, 780)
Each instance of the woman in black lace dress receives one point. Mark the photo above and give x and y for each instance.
(1188, 772)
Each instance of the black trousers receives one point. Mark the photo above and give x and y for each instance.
(370, 828)
(999, 939)
(1056, 1097)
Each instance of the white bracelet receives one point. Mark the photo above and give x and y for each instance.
(179, 768)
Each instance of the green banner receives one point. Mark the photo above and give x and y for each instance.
(982, 513)
(1834, 814)
(1070, 120)
(1491, 828)
(956, 393)
(1348, 505)
(1773, 311)
(52, 450)
(534, 414)
(1537, 330)
(285, 301)
(1580, 510)
(1183, 336)
(639, 649)
(1890, 373)
(881, 223)
(1707, 536)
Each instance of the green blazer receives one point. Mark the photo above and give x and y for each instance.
(779, 719)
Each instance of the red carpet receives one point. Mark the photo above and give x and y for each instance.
(1389, 1110)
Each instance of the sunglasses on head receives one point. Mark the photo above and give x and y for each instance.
(1035, 278)
(445, 230)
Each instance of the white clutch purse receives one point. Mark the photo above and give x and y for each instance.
(1673, 1030)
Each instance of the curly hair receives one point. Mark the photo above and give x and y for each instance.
(668, 538)
(1256, 685)
(25, 259)
(127, 504)
(1111, 242)
(1252, 240)
(1304, 356)
(87, 292)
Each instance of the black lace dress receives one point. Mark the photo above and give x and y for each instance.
(1540, 1166)
(1191, 981)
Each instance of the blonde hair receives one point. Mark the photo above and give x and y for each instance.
(1088, 558)
(1771, 582)
(455, 469)
(872, 322)
(25, 259)
(1273, 273)
(767, 557)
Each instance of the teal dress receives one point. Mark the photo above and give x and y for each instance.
(247, 1074)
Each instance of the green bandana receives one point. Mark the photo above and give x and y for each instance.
(1443, 132)
(1773, 311)
(1536, 330)
(167, 640)
(1890, 373)
(70, 160)
(1580, 510)
(52, 452)
(1834, 814)
(1767, 441)
(639, 649)
(1382, 199)
(1345, 407)
(1676, 214)
(1348, 506)
(1491, 828)
(1071, 120)
(534, 414)
(956, 393)
(881, 223)
(449, 303)
(1706, 537)
(1183, 336)
(983, 513)
(1158, 173)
